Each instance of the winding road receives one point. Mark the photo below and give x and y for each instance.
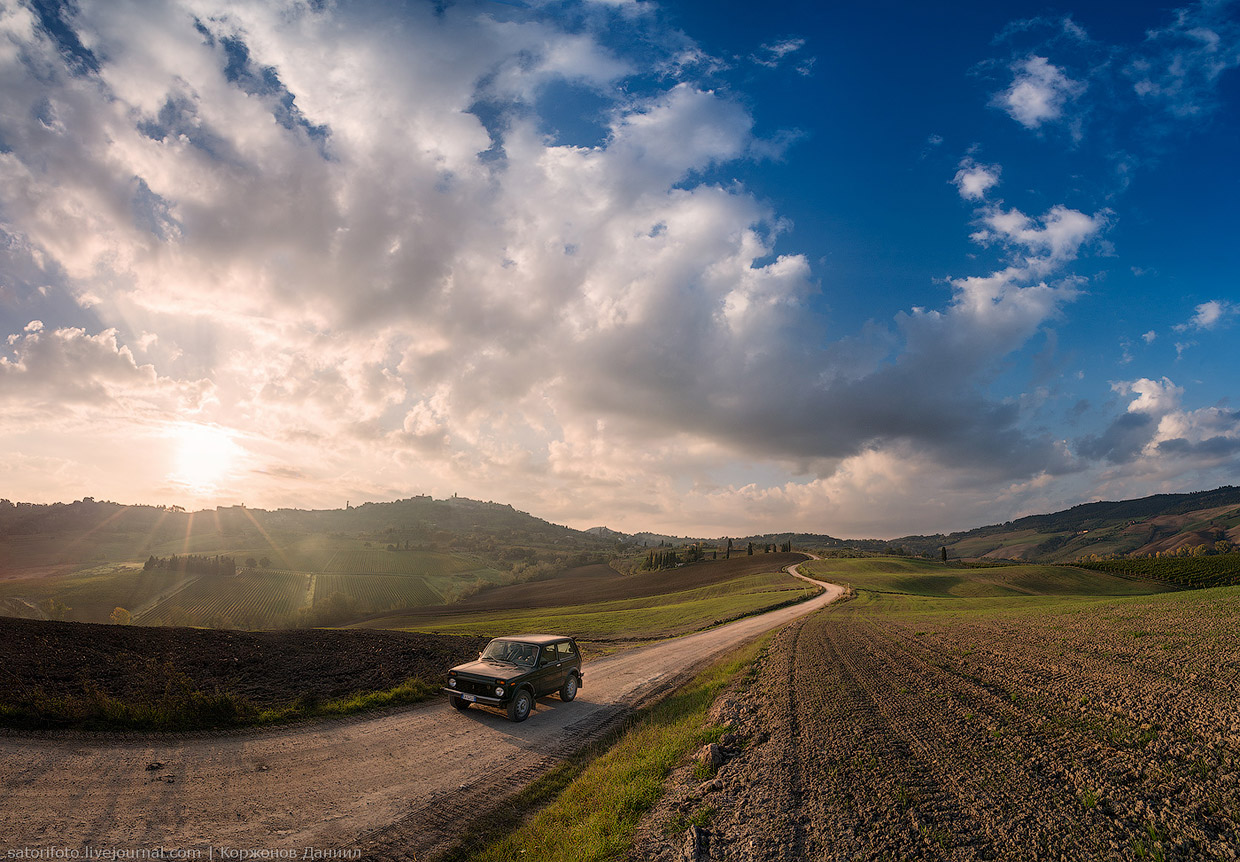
(396, 785)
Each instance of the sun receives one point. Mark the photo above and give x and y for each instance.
(203, 457)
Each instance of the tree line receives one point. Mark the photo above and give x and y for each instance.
(192, 564)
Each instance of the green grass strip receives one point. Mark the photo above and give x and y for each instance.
(594, 816)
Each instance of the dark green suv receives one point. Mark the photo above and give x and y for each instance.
(511, 672)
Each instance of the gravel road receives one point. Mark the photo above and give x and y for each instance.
(394, 786)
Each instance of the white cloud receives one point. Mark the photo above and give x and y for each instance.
(1210, 315)
(773, 53)
(43, 372)
(1157, 440)
(1153, 396)
(973, 180)
(401, 292)
(1042, 244)
(1039, 92)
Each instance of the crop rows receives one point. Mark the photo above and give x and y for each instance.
(1098, 730)
(376, 592)
(377, 562)
(1203, 571)
(252, 599)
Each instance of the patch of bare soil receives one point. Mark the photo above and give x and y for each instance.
(1106, 733)
(64, 659)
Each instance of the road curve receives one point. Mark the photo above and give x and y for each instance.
(398, 780)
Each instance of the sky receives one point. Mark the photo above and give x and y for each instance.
(706, 268)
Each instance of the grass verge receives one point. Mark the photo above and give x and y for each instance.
(589, 808)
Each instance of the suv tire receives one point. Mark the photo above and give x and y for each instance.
(521, 705)
(569, 690)
(461, 703)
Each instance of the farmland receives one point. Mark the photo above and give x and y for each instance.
(925, 578)
(80, 561)
(596, 603)
(951, 722)
(1188, 571)
(250, 599)
(357, 580)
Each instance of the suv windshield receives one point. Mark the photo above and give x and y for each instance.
(511, 652)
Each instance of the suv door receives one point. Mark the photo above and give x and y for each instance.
(570, 659)
(550, 674)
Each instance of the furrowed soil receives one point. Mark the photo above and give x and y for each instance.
(1080, 730)
(268, 669)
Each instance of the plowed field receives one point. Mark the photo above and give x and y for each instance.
(1078, 730)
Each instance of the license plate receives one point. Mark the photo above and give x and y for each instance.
(469, 697)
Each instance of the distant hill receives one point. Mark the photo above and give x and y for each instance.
(1162, 522)
(62, 537)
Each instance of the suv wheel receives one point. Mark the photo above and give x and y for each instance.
(460, 703)
(569, 690)
(520, 705)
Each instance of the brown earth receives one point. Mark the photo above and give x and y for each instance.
(64, 659)
(1105, 733)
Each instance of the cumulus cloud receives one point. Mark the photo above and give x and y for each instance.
(973, 180)
(1039, 92)
(45, 371)
(1045, 243)
(1209, 315)
(1156, 436)
(346, 234)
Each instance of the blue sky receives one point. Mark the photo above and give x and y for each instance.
(708, 268)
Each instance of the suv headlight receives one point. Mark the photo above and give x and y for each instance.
(452, 682)
(499, 691)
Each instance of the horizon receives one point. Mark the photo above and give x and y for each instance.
(653, 532)
(718, 268)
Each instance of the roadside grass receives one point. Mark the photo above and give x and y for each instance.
(589, 809)
(178, 705)
(651, 617)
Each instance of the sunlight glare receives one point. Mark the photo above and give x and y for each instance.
(204, 456)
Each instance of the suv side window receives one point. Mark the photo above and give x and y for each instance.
(548, 654)
(565, 650)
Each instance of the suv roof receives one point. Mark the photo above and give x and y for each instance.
(535, 639)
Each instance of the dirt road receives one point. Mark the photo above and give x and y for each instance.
(387, 785)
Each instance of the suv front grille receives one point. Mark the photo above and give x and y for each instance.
(475, 686)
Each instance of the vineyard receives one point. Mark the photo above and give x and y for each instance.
(1206, 571)
(376, 592)
(366, 561)
(250, 599)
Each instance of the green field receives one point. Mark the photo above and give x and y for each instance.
(669, 614)
(301, 579)
(924, 578)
